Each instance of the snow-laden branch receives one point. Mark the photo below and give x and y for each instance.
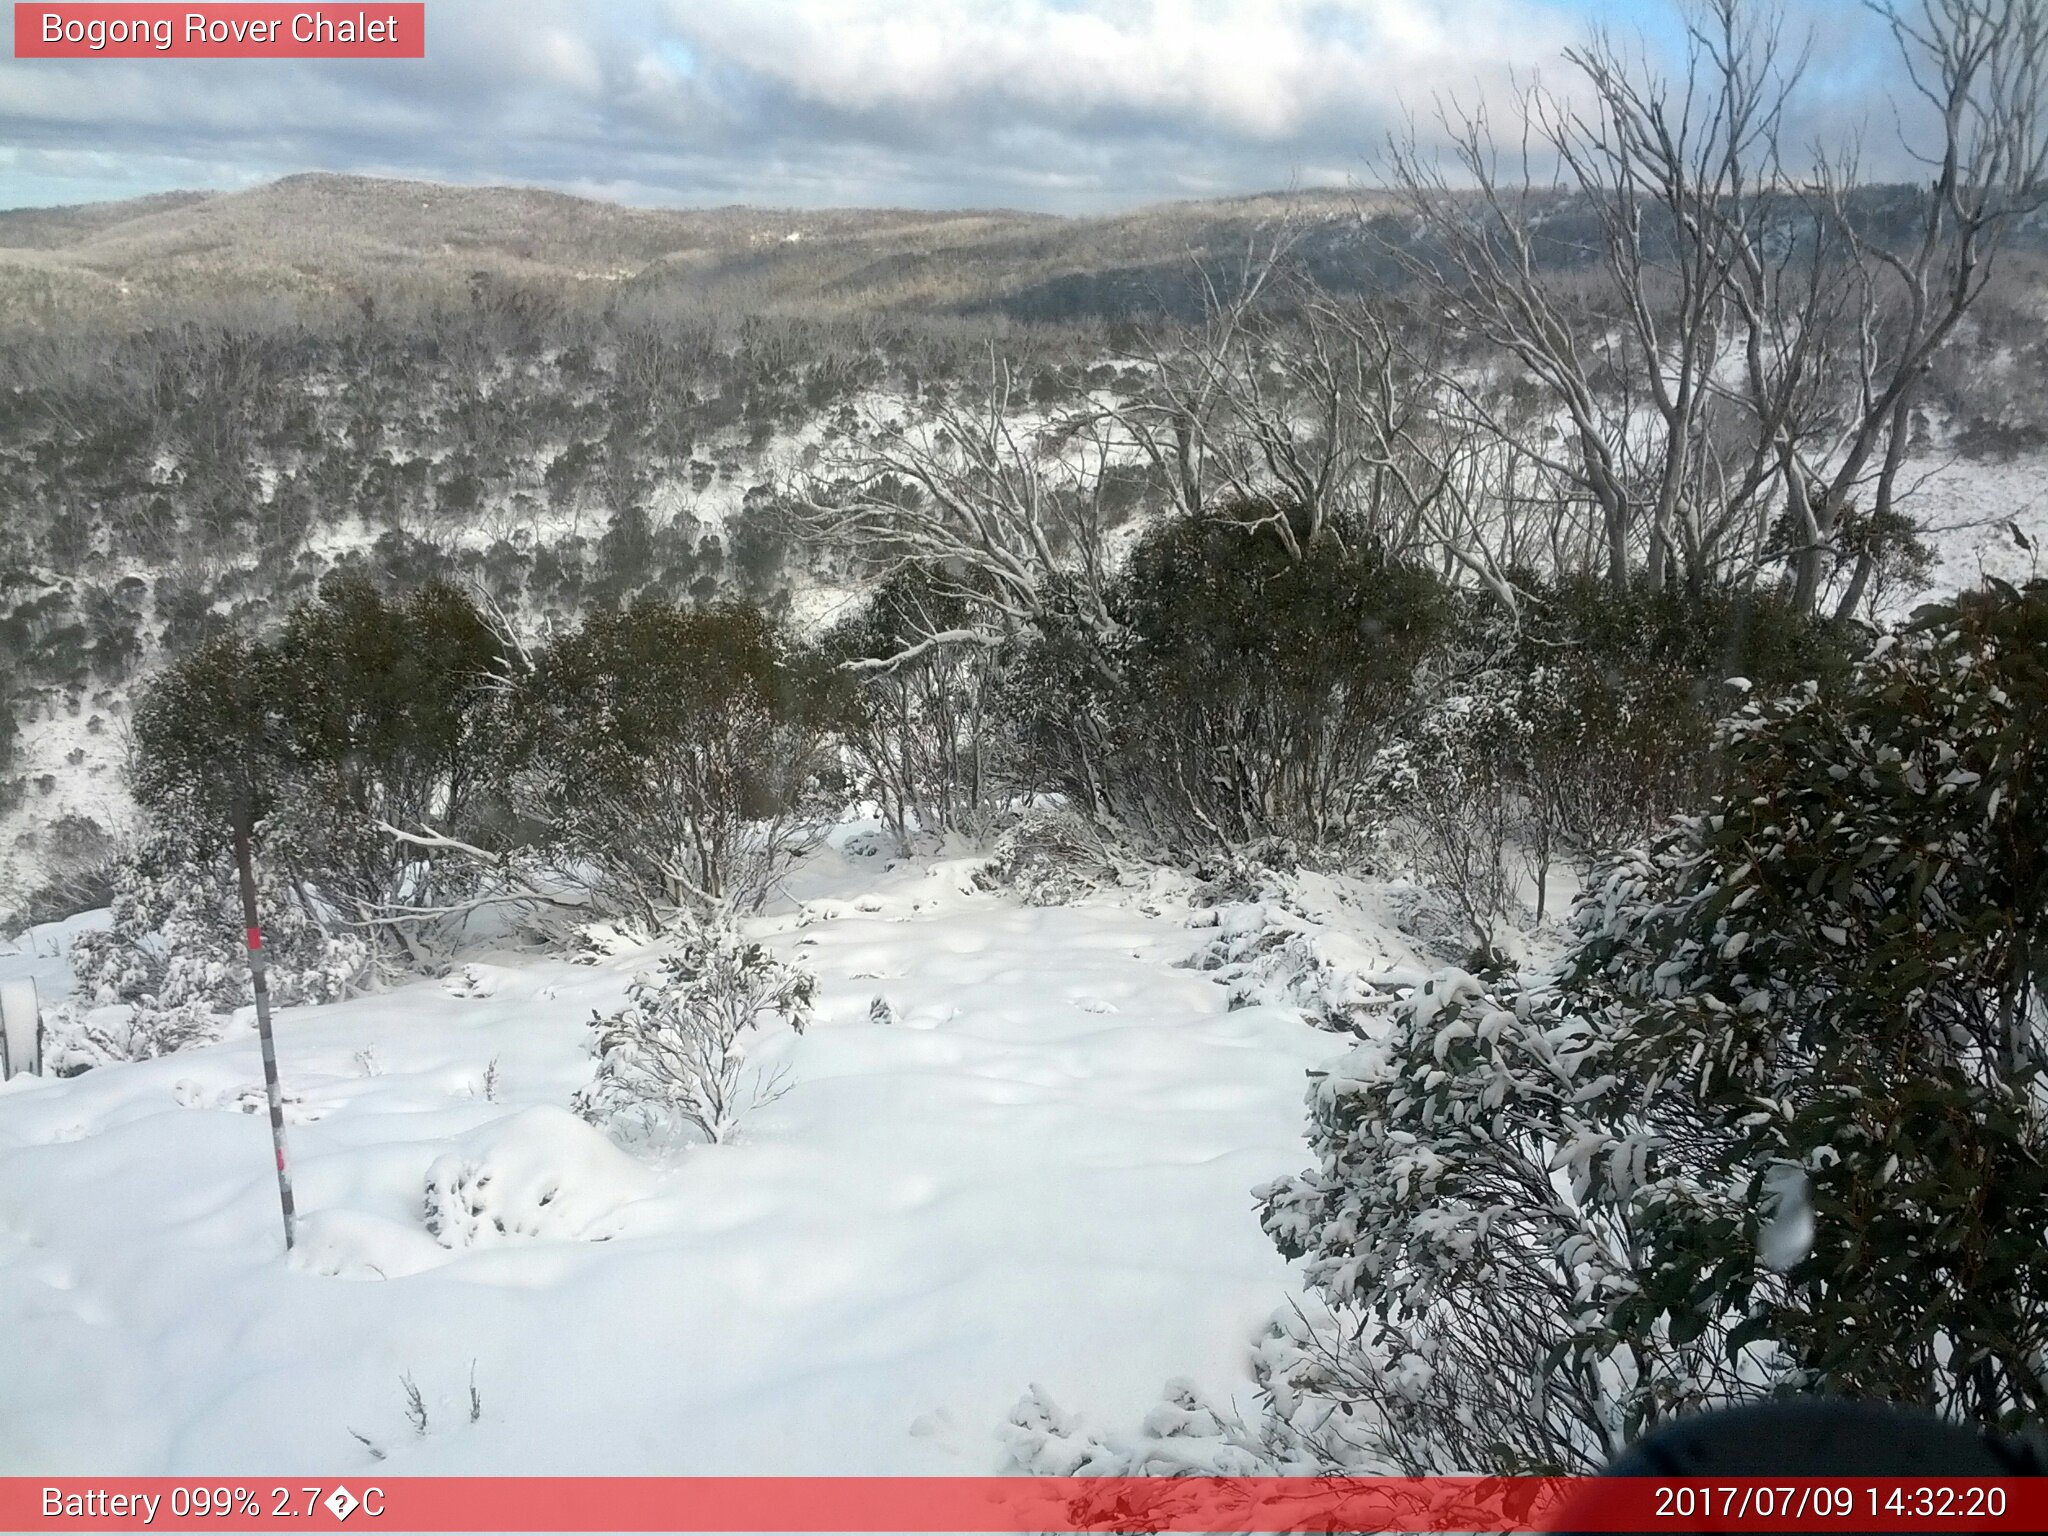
(929, 642)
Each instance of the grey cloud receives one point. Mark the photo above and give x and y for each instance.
(1066, 105)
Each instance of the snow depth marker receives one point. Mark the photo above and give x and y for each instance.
(253, 933)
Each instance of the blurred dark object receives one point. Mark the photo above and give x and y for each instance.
(1825, 1437)
(1818, 1437)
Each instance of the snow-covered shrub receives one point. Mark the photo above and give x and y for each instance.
(1577, 731)
(593, 943)
(1051, 856)
(1776, 1121)
(1185, 1435)
(177, 936)
(1264, 950)
(539, 1173)
(1461, 784)
(676, 1054)
(473, 981)
(1843, 965)
(78, 857)
(175, 954)
(1473, 1286)
(77, 1039)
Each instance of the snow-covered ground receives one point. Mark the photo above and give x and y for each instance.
(1037, 1171)
(1970, 509)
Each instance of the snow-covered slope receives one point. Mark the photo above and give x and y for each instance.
(1036, 1171)
(1971, 509)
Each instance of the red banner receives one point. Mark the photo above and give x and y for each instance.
(1005, 1504)
(216, 31)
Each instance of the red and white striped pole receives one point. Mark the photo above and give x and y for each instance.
(253, 931)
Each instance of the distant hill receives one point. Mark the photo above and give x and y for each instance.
(345, 236)
(54, 228)
(339, 239)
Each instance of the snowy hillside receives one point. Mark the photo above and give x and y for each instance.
(1031, 1165)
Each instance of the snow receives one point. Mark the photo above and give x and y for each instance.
(1970, 508)
(38, 952)
(1032, 1167)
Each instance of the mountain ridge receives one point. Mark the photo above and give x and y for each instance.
(325, 234)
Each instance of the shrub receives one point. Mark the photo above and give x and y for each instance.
(1246, 691)
(78, 856)
(540, 1173)
(364, 711)
(671, 756)
(1848, 984)
(1259, 687)
(677, 1052)
(1621, 692)
(174, 957)
(177, 936)
(80, 1039)
(1776, 1121)
(1581, 730)
(1050, 856)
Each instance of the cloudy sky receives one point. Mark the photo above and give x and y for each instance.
(1065, 105)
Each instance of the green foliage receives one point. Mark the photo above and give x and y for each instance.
(672, 752)
(1246, 692)
(210, 747)
(363, 710)
(1849, 957)
(1621, 692)
(1776, 1122)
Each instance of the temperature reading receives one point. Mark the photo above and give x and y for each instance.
(283, 1506)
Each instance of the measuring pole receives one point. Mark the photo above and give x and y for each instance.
(253, 932)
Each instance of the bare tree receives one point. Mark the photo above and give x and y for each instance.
(1624, 326)
(921, 735)
(1725, 346)
(1981, 66)
(1309, 416)
(1008, 510)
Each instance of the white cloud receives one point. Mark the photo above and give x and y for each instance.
(1264, 69)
